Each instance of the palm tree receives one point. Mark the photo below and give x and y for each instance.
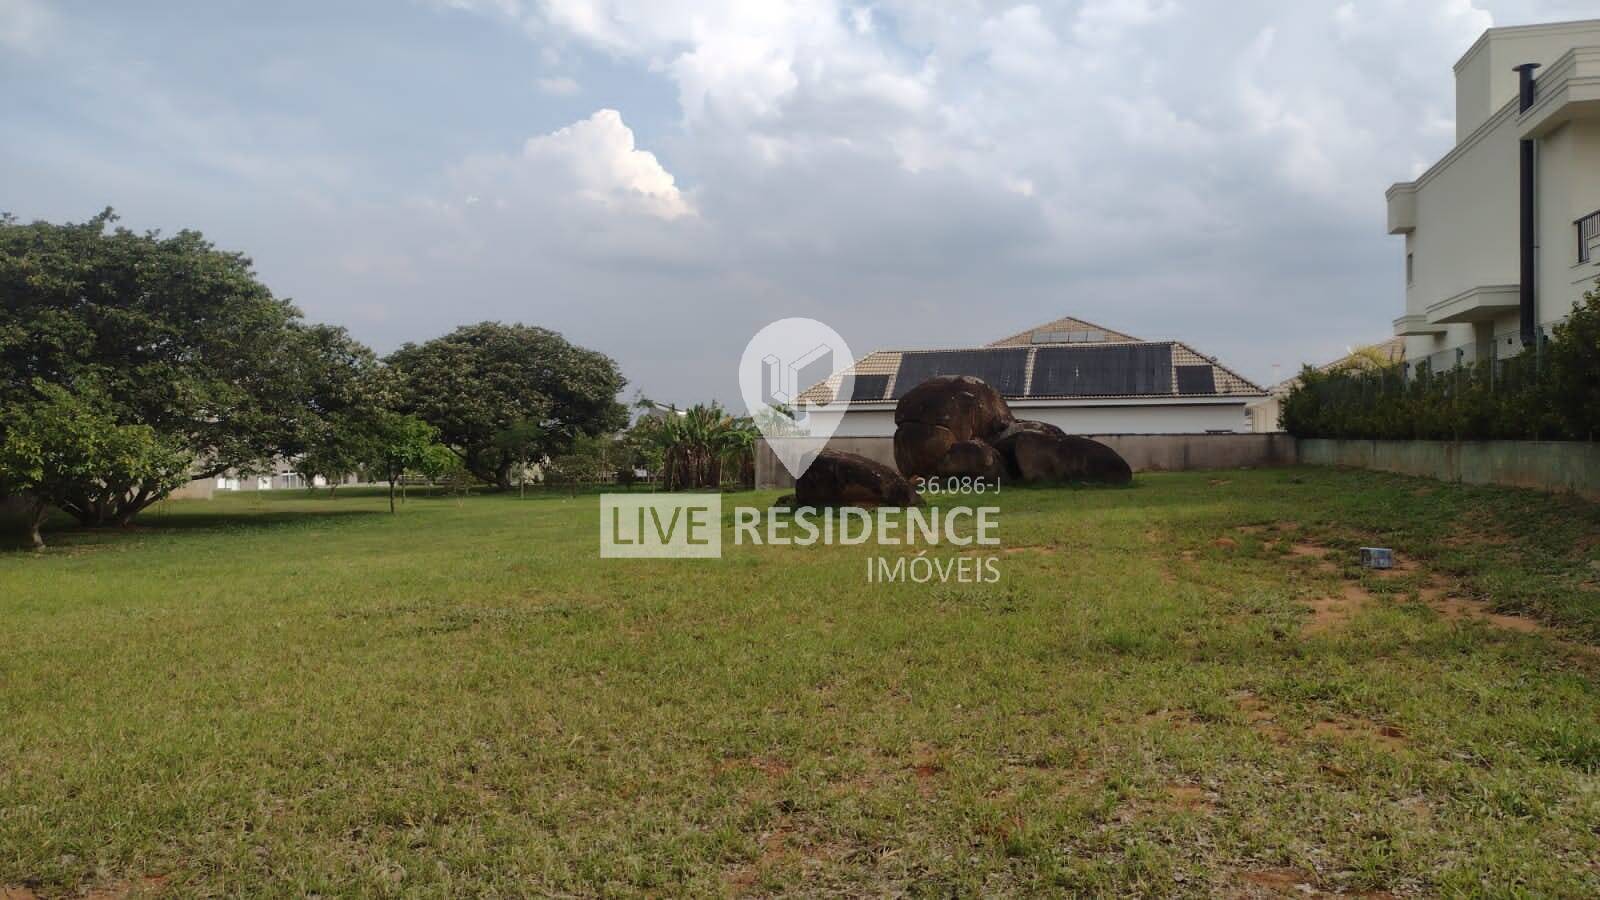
(697, 443)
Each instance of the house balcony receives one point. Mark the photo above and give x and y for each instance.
(1416, 326)
(1569, 89)
(1483, 303)
(1402, 207)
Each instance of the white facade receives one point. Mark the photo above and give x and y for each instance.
(1084, 417)
(1460, 218)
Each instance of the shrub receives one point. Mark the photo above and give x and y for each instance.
(1552, 394)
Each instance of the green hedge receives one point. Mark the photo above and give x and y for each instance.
(1549, 394)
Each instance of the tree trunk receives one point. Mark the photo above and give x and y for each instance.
(391, 494)
(36, 516)
(132, 506)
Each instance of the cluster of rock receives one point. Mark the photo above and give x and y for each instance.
(958, 426)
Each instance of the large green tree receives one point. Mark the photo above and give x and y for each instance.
(502, 394)
(175, 336)
(51, 446)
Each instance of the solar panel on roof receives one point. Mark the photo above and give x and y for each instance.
(1005, 370)
(1124, 370)
(1196, 379)
(869, 387)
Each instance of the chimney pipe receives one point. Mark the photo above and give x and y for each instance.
(1528, 90)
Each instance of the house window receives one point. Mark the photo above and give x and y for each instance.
(1411, 269)
(1588, 230)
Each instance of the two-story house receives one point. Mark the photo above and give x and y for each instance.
(1503, 234)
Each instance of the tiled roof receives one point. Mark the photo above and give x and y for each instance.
(1064, 325)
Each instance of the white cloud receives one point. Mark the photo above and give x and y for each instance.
(593, 160)
(1046, 146)
(558, 86)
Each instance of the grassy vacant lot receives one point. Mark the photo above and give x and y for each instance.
(1184, 687)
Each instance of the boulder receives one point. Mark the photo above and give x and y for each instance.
(969, 407)
(918, 448)
(837, 478)
(941, 412)
(1038, 452)
(971, 459)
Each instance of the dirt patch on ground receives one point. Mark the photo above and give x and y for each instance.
(783, 843)
(1314, 553)
(1359, 730)
(1189, 797)
(1328, 613)
(116, 890)
(1453, 608)
(1278, 883)
(1260, 716)
(1226, 543)
(766, 765)
(926, 769)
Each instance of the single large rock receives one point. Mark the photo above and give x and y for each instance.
(1038, 452)
(940, 413)
(968, 406)
(837, 478)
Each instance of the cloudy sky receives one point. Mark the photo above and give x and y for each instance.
(659, 179)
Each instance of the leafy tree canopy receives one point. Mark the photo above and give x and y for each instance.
(173, 335)
(504, 394)
(65, 449)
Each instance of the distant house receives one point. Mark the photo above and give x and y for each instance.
(1078, 376)
(281, 477)
(1264, 412)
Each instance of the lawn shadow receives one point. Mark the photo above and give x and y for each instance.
(62, 532)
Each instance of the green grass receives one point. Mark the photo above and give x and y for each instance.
(273, 694)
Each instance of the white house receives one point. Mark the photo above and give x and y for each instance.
(1075, 375)
(1502, 235)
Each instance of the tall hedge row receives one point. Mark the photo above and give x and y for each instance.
(1549, 394)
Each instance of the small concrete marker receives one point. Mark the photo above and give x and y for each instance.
(1377, 557)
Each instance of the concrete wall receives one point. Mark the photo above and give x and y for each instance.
(1144, 452)
(1085, 418)
(1554, 466)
